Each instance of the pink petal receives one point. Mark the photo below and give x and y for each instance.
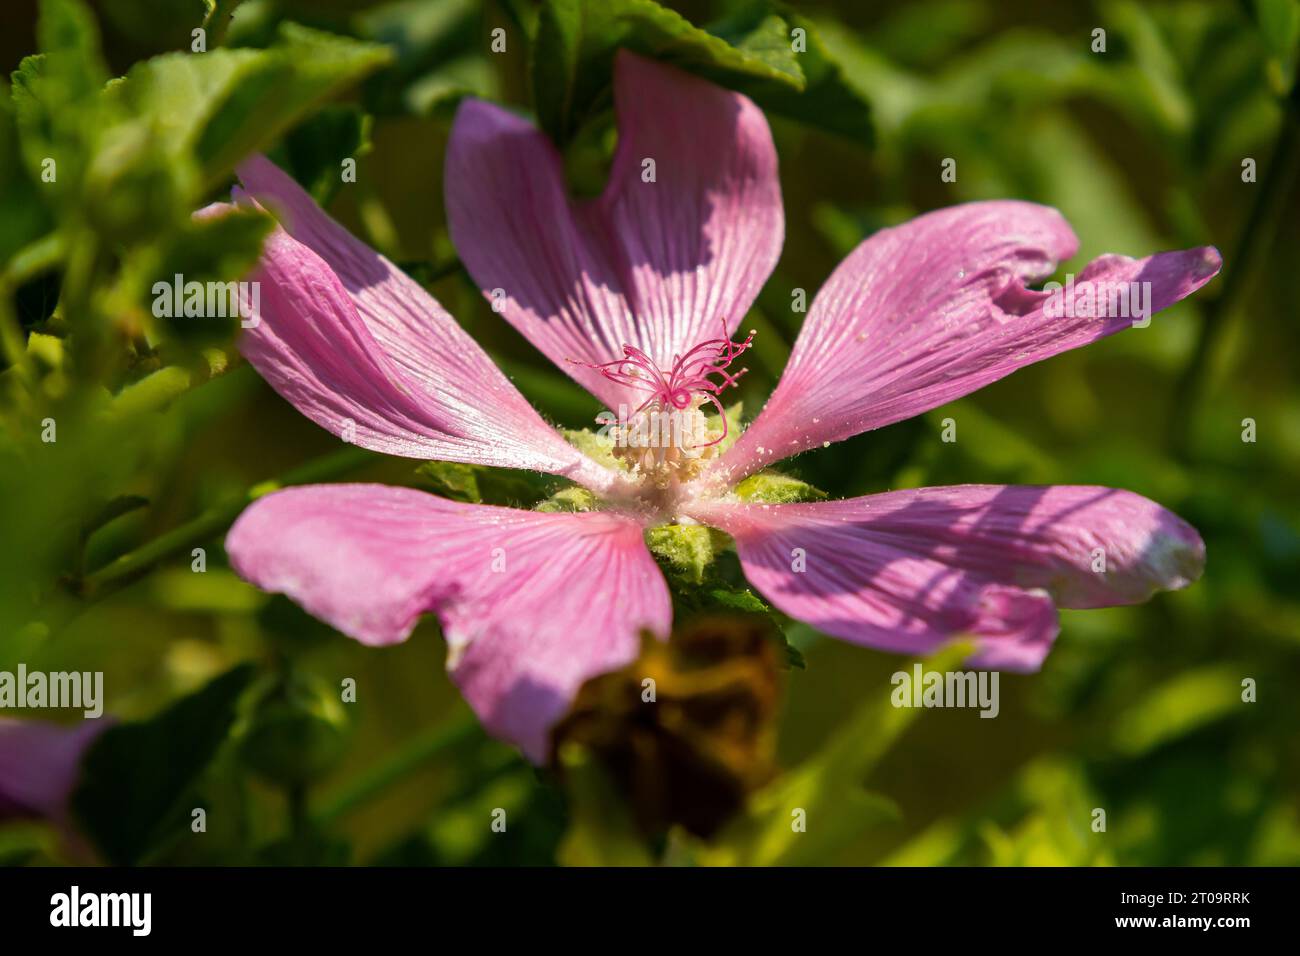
(531, 604)
(907, 570)
(39, 765)
(657, 265)
(929, 311)
(347, 337)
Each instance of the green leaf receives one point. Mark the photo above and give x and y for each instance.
(31, 117)
(1179, 706)
(744, 601)
(225, 104)
(573, 54)
(764, 49)
(317, 146)
(218, 249)
(23, 217)
(67, 34)
(523, 14)
(152, 393)
(296, 731)
(1156, 74)
(135, 776)
(432, 69)
(164, 24)
(701, 564)
(927, 33)
(56, 93)
(451, 479)
(556, 61)
(440, 91)
(827, 101)
(492, 486)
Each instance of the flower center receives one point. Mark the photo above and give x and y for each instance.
(666, 439)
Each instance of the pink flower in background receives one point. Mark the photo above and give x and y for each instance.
(39, 766)
(621, 292)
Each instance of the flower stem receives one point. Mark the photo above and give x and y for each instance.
(134, 563)
(411, 757)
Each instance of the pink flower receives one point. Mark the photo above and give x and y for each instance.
(626, 293)
(39, 766)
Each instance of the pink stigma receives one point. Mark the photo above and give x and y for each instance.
(688, 377)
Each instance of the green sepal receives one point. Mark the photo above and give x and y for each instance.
(774, 488)
(570, 499)
(686, 551)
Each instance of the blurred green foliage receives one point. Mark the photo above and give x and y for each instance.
(116, 129)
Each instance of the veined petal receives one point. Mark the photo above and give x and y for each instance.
(39, 765)
(362, 350)
(929, 311)
(907, 570)
(532, 604)
(659, 265)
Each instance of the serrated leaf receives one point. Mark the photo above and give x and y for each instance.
(55, 93)
(827, 100)
(69, 37)
(226, 104)
(23, 218)
(576, 40)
